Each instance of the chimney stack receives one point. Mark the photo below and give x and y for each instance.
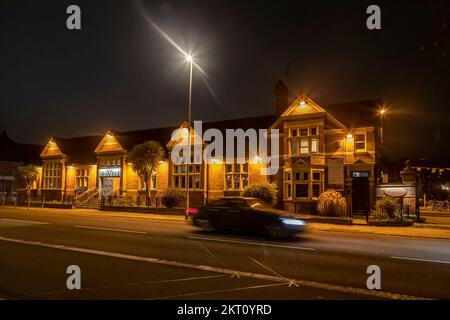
(281, 97)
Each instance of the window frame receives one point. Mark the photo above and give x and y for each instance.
(242, 175)
(358, 142)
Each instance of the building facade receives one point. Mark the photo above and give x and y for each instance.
(320, 148)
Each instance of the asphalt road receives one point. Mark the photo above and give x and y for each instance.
(134, 258)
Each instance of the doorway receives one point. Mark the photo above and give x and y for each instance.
(360, 192)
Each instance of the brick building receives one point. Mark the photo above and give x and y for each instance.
(321, 147)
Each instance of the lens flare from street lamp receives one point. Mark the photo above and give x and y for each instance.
(189, 58)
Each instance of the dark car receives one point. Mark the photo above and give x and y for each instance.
(246, 214)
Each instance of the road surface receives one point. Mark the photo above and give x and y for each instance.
(140, 258)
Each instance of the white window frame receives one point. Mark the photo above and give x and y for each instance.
(52, 175)
(242, 174)
(365, 141)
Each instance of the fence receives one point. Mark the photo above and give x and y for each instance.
(398, 213)
(21, 201)
(129, 201)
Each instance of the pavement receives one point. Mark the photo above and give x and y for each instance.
(129, 256)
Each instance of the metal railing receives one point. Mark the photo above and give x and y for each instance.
(398, 212)
(439, 205)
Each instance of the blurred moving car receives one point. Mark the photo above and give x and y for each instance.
(246, 214)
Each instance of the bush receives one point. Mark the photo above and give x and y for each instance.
(172, 198)
(332, 204)
(264, 191)
(388, 205)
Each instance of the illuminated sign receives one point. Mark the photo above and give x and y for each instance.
(109, 172)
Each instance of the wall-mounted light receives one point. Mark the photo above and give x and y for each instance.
(258, 159)
(349, 136)
(302, 104)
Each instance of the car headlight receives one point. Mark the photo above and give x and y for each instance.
(292, 222)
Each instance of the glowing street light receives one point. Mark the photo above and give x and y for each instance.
(381, 113)
(190, 60)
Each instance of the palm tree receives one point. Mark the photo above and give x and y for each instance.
(144, 159)
(27, 175)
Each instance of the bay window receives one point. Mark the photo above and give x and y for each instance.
(52, 174)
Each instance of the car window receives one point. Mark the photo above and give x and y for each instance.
(238, 203)
(258, 204)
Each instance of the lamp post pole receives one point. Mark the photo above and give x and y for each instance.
(380, 156)
(188, 158)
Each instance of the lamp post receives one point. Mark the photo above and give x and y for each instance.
(188, 160)
(380, 156)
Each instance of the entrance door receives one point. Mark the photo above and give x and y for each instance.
(107, 186)
(360, 192)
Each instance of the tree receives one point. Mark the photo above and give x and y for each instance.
(27, 175)
(144, 159)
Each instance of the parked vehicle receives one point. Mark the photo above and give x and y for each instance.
(246, 214)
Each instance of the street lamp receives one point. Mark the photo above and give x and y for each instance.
(190, 60)
(381, 113)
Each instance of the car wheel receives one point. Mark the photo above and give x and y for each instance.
(275, 231)
(206, 225)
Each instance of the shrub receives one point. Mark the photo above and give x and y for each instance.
(172, 198)
(332, 204)
(264, 191)
(387, 204)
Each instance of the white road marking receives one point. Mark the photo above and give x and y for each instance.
(132, 284)
(251, 243)
(108, 229)
(305, 283)
(218, 291)
(24, 221)
(423, 260)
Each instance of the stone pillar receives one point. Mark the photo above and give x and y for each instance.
(409, 176)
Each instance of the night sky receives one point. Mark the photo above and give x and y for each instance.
(119, 72)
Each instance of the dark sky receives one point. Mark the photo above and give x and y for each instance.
(119, 72)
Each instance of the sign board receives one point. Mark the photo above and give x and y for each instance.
(109, 172)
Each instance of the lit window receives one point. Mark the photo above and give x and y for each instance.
(313, 145)
(82, 177)
(52, 175)
(153, 182)
(360, 142)
(236, 176)
(179, 176)
(304, 147)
